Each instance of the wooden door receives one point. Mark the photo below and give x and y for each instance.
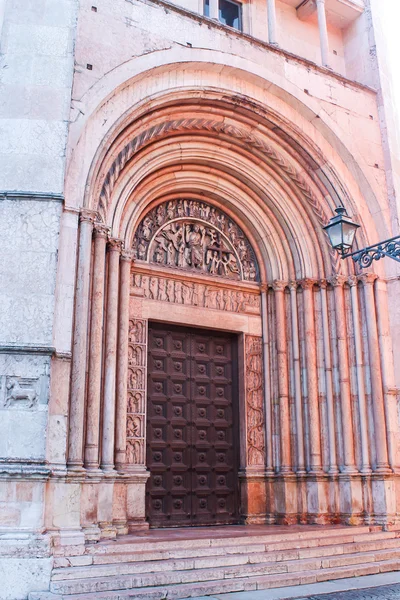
(192, 429)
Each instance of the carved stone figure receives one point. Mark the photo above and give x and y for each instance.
(162, 295)
(194, 237)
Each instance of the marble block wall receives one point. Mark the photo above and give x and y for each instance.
(36, 65)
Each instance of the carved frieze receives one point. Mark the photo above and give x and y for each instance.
(136, 401)
(195, 294)
(192, 235)
(254, 401)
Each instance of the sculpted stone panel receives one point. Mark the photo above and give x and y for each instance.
(255, 401)
(20, 392)
(136, 405)
(192, 235)
(196, 294)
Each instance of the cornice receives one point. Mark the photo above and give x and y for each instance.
(34, 196)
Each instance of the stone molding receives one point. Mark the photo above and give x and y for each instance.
(27, 349)
(35, 196)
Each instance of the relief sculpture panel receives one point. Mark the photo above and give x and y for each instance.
(255, 401)
(136, 406)
(192, 235)
(196, 294)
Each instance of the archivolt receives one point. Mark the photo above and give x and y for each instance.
(167, 128)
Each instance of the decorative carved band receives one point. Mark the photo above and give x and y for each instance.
(196, 294)
(136, 409)
(254, 401)
(192, 235)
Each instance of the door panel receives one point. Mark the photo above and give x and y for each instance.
(191, 423)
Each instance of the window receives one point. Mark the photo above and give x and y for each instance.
(229, 13)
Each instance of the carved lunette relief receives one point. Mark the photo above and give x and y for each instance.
(136, 405)
(195, 294)
(255, 415)
(192, 235)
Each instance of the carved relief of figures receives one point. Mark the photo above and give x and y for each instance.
(254, 401)
(188, 234)
(197, 294)
(137, 358)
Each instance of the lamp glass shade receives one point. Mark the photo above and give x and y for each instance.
(341, 231)
(348, 234)
(335, 234)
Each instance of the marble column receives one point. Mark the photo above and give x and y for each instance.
(382, 465)
(122, 359)
(323, 32)
(328, 379)
(110, 357)
(269, 468)
(388, 376)
(79, 348)
(312, 375)
(300, 467)
(362, 403)
(272, 37)
(95, 349)
(283, 376)
(344, 376)
(214, 9)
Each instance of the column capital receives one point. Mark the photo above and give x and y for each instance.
(308, 283)
(115, 245)
(337, 280)
(126, 255)
(278, 285)
(352, 281)
(368, 278)
(100, 230)
(293, 285)
(323, 283)
(87, 216)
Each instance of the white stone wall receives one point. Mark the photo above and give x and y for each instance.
(36, 63)
(36, 71)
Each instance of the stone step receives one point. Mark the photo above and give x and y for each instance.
(210, 572)
(176, 592)
(122, 567)
(176, 552)
(143, 544)
(106, 553)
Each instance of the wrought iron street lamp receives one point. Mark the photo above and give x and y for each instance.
(342, 232)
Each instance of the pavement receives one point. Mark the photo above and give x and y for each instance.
(385, 586)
